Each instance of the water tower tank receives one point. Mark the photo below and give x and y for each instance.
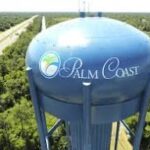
(89, 72)
(112, 55)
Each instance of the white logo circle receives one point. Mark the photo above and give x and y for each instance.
(49, 64)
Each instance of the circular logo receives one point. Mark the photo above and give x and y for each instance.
(50, 64)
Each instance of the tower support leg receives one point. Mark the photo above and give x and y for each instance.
(86, 116)
(39, 112)
(142, 114)
(117, 135)
(84, 134)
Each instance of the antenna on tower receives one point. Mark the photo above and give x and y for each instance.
(99, 14)
(82, 8)
(88, 7)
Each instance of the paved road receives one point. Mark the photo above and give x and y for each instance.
(123, 143)
(10, 36)
(43, 27)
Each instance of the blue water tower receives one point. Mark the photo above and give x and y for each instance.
(89, 72)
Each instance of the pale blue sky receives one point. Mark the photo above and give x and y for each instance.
(73, 5)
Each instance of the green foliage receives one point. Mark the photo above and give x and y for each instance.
(146, 133)
(18, 129)
(132, 122)
(140, 21)
(55, 18)
(13, 78)
(7, 20)
(59, 140)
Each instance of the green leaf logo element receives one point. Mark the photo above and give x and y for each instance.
(49, 59)
(50, 64)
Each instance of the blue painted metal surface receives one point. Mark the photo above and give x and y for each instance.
(87, 116)
(142, 114)
(82, 14)
(108, 53)
(99, 113)
(38, 111)
(100, 136)
(103, 113)
(99, 14)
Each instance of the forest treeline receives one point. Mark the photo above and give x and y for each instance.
(140, 21)
(8, 20)
(18, 129)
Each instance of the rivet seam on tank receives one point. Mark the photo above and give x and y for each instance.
(50, 66)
